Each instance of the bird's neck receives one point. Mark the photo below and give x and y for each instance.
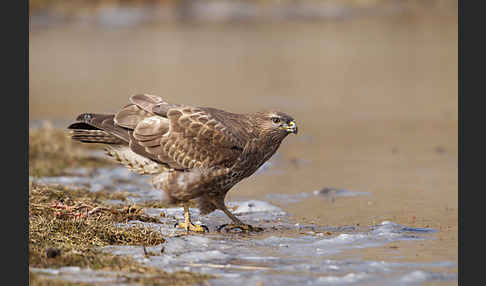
(266, 148)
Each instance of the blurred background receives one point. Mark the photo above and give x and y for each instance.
(372, 85)
(338, 60)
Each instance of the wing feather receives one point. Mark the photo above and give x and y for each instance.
(181, 136)
(130, 116)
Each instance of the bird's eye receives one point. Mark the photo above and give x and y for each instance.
(276, 120)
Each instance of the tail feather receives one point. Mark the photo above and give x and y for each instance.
(94, 136)
(98, 128)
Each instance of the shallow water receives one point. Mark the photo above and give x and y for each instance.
(276, 256)
(375, 99)
(289, 252)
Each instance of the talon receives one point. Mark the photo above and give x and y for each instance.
(188, 225)
(242, 227)
(192, 227)
(222, 226)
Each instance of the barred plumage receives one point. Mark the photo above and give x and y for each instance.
(95, 136)
(136, 163)
(194, 152)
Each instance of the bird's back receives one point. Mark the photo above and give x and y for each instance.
(191, 151)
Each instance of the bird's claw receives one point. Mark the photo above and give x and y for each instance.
(242, 227)
(192, 227)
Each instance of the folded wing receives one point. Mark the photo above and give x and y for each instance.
(183, 137)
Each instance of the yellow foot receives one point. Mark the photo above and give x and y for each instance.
(192, 227)
(242, 227)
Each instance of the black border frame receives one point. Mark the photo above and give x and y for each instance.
(17, 84)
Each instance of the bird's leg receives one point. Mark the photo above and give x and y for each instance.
(237, 224)
(187, 224)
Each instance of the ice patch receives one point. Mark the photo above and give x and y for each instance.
(76, 274)
(418, 277)
(206, 256)
(302, 259)
(388, 229)
(118, 178)
(347, 279)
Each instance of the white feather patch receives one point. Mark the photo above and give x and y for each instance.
(133, 161)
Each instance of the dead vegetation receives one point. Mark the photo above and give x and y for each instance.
(75, 224)
(51, 152)
(68, 226)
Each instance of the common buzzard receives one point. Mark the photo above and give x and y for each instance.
(193, 153)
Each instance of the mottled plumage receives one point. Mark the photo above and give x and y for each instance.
(193, 153)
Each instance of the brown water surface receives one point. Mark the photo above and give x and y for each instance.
(375, 99)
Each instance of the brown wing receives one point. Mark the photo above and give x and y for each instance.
(182, 137)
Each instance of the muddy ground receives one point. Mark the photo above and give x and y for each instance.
(375, 99)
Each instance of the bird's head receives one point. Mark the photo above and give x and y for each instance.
(275, 125)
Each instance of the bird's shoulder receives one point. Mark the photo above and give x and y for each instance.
(210, 125)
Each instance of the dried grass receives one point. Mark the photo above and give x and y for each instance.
(51, 151)
(67, 227)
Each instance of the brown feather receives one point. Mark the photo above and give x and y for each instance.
(202, 152)
(130, 115)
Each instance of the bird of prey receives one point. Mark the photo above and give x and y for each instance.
(193, 153)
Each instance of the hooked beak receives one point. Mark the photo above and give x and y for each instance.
(292, 127)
